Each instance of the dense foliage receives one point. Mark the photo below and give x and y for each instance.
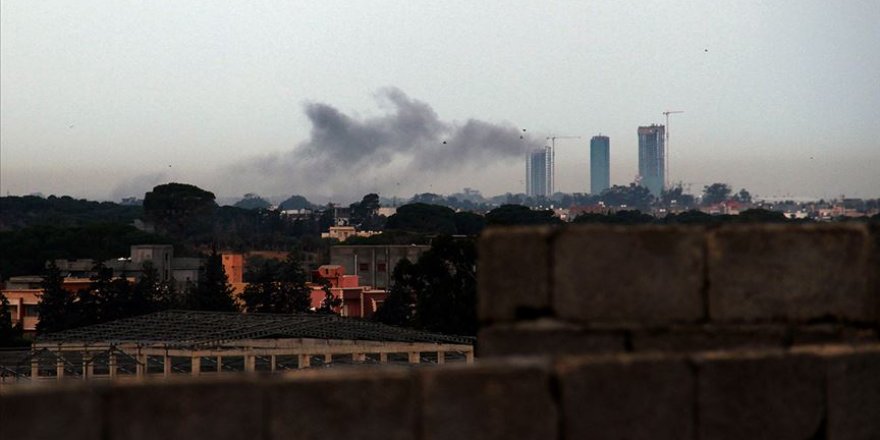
(437, 293)
(277, 287)
(25, 211)
(25, 251)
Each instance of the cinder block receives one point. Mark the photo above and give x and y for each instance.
(832, 334)
(854, 395)
(186, 410)
(790, 273)
(710, 337)
(69, 413)
(489, 401)
(629, 274)
(767, 395)
(353, 404)
(627, 397)
(514, 273)
(546, 340)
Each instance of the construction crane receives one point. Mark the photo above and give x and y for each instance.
(551, 167)
(666, 172)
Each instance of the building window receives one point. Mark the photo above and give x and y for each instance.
(380, 267)
(363, 267)
(31, 310)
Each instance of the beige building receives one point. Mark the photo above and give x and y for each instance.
(374, 263)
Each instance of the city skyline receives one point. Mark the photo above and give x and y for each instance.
(106, 100)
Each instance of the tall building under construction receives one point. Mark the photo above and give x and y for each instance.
(600, 164)
(539, 172)
(652, 158)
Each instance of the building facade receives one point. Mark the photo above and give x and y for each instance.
(539, 173)
(600, 164)
(652, 158)
(373, 264)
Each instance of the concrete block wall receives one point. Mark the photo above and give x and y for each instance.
(808, 392)
(591, 288)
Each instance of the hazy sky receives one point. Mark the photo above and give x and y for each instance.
(104, 99)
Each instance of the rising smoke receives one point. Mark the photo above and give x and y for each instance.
(406, 147)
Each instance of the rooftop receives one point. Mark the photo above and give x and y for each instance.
(194, 329)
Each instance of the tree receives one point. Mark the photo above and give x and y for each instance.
(520, 215)
(398, 308)
(365, 214)
(438, 292)
(635, 217)
(423, 218)
(446, 287)
(55, 303)
(330, 302)
(469, 223)
(743, 196)
(632, 196)
(10, 335)
(180, 209)
(150, 293)
(715, 193)
(278, 288)
(295, 202)
(213, 292)
(675, 197)
(252, 201)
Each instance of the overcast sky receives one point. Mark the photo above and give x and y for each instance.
(104, 99)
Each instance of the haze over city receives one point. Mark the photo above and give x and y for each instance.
(104, 100)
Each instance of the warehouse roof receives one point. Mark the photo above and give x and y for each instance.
(191, 328)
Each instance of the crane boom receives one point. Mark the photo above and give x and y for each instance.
(666, 171)
(552, 165)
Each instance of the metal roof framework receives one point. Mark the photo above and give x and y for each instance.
(191, 342)
(194, 329)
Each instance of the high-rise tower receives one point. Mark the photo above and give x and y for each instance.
(539, 172)
(600, 164)
(652, 158)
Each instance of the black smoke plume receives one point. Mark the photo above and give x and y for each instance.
(344, 154)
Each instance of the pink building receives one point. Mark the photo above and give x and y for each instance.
(357, 301)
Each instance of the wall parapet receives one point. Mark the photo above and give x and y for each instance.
(804, 392)
(629, 288)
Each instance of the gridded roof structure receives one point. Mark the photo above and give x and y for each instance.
(205, 329)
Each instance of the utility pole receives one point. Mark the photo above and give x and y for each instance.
(551, 167)
(666, 172)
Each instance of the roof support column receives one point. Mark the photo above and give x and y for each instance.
(414, 357)
(166, 365)
(272, 363)
(141, 368)
(111, 362)
(383, 358)
(469, 356)
(441, 357)
(59, 365)
(196, 365)
(88, 367)
(250, 363)
(304, 361)
(35, 365)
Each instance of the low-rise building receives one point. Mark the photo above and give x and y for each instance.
(373, 264)
(356, 301)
